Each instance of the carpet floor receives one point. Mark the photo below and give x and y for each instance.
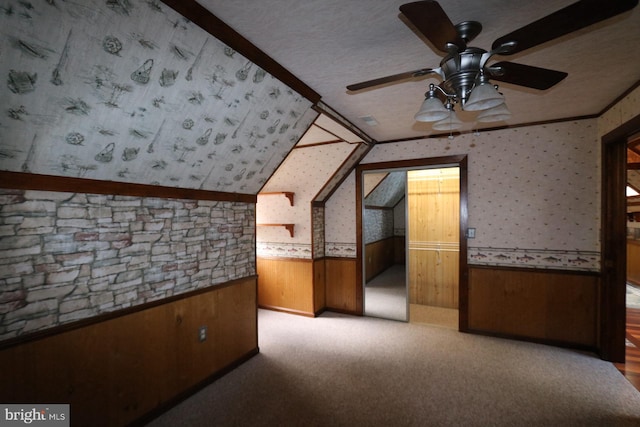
(339, 370)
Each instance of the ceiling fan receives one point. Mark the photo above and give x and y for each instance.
(464, 70)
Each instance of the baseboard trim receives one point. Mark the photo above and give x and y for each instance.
(554, 343)
(287, 310)
(165, 407)
(341, 311)
(103, 317)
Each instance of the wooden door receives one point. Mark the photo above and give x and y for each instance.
(433, 232)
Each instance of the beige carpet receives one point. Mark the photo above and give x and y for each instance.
(339, 370)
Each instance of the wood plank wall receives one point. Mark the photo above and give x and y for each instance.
(120, 370)
(286, 284)
(556, 307)
(434, 244)
(319, 286)
(434, 277)
(399, 250)
(341, 285)
(307, 287)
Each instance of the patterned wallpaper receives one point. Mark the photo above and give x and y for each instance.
(358, 153)
(534, 192)
(377, 225)
(399, 219)
(340, 214)
(131, 91)
(304, 172)
(388, 192)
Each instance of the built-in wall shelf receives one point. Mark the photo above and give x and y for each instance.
(287, 194)
(287, 226)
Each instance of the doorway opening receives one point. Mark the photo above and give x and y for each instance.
(433, 200)
(614, 241)
(631, 368)
(383, 219)
(428, 246)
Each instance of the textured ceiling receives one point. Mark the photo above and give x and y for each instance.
(330, 44)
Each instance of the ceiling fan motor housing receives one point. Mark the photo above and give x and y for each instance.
(460, 71)
(464, 67)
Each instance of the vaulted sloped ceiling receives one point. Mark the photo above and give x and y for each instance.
(388, 192)
(131, 91)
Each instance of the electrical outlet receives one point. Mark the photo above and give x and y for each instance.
(471, 233)
(202, 333)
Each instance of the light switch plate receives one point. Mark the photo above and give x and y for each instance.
(202, 333)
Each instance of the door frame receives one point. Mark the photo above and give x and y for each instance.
(459, 161)
(614, 238)
(364, 244)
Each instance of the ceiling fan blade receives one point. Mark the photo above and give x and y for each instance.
(564, 21)
(391, 79)
(429, 18)
(525, 75)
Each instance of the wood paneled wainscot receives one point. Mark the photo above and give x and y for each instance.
(307, 287)
(399, 250)
(379, 256)
(319, 286)
(128, 367)
(556, 307)
(341, 286)
(633, 261)
(286, 284)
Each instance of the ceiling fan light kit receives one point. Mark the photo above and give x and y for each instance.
(432, 108)
(451, 123)
(483, 96)
(464, 70)
(495, 114)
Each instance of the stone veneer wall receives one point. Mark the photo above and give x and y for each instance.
(70, 256)
(317, 219)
